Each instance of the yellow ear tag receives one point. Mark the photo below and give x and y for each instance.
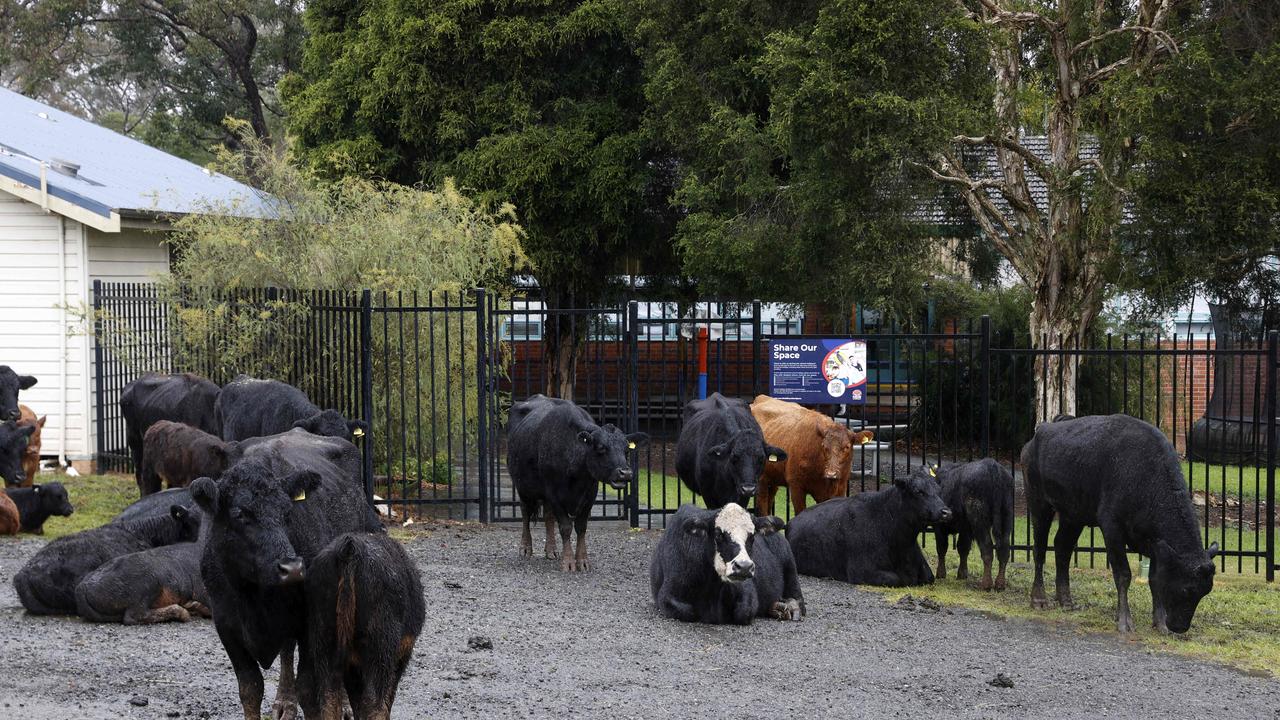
(302, 495)
(631, 446)
(864, 440)
(773, 458)
(932, 471)
(358, 432)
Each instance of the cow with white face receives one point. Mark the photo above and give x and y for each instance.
(724, 566)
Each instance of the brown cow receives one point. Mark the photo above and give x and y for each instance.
(176, 454)
(10, 521)
(31, 456)
(819, 452)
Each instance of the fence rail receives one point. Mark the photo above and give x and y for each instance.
(433, 374)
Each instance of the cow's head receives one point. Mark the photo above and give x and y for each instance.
(605, 454)
(331, 423)
(739, 462)
(188, 521)
(13, 445)
(33, 444)
(725, 536)
(53, 499)
(921, 500)
(1178, 582)
(837, 450)
(10, 383)
(248, 511)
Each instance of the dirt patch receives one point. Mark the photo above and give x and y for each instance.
(592, 646)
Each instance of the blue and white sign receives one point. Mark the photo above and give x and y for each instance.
(816, 371)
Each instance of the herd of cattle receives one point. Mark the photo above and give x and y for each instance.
(265, 526)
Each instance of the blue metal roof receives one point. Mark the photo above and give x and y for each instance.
(117, 173)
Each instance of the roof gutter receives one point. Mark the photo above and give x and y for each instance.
(38, 192)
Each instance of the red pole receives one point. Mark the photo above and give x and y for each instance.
(702, 363)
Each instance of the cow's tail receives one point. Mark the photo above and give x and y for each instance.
(1002, 514)
(347, 561)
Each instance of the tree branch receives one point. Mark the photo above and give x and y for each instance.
(1039, 165)
(1165, 38)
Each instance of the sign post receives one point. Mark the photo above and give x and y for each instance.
(818, 371)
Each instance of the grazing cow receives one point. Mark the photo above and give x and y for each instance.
(153, 586)
(272, 510)
(870, 538)
(175, 454)
(46, 584)
(558, 457)
(31, 456)
(10, 518)
(11, 383)
(721, 452)
(980, 497)
(365, 610)
(13, 446)
(185, 398)
(1122, 475)
(250, 408)
(38, 503)
(819, 453)
(724, 566)
(155, 504)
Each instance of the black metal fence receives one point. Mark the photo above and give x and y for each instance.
(435, 374)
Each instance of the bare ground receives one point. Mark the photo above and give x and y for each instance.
(592, 646)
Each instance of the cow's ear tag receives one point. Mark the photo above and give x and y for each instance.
(773, 458)
(302, 495)
(358, 432)
(631, 446)
(865, 440)
(933, 472)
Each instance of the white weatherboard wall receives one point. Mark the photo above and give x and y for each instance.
(31, 325)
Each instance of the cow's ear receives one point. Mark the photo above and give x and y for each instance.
(25, 381)
(899, 482)
(300, 483)
(637, 440)
(769, 525)
(357, 428)
(178, 512)
(305, 423)
(28, 430)
(775, 454)
(719, 450)
(40, 422)
(584, 436)
(1213, 551)
(205, 492)
(35, 489)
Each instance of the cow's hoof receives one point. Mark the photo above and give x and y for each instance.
(551, 554)
(584, 565)
(962, 574)
(284, 709)
(196, 607)
(1040, 602)
(1000, 585)
(788, 609)
(568, 565)
(941, 574)
(984, 585)
(1067, 603)
(526, 551)
(1124, 625)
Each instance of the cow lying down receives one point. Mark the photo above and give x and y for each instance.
(46, 584)
(153, 586)
(724, 566)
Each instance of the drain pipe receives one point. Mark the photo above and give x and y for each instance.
(62, 341)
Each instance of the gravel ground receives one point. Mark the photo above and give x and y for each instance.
(592, 646)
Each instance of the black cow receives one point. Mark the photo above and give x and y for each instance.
(250, 408)
(13, 445)
(870, 538)
(365, 610)
(724, 566)
(283, 501)
(185, 398)
(1120, 474)
(155, 505)
(721, 451)
(38, 503)
(153, 586)
(980, 497)
(558, 457)
(175, 454)
(46, 584)
(10, 384)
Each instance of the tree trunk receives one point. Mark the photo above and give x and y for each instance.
(562, 337)
(1057, 326)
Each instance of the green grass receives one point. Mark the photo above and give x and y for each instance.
(1242, 481)
(1237, 624)
(96, 499)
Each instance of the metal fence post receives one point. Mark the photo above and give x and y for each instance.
(98, 378)
(756, 327)
(482, 404)
(985, 352)
(366, 386)
(633, 401)
(1273, 356)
